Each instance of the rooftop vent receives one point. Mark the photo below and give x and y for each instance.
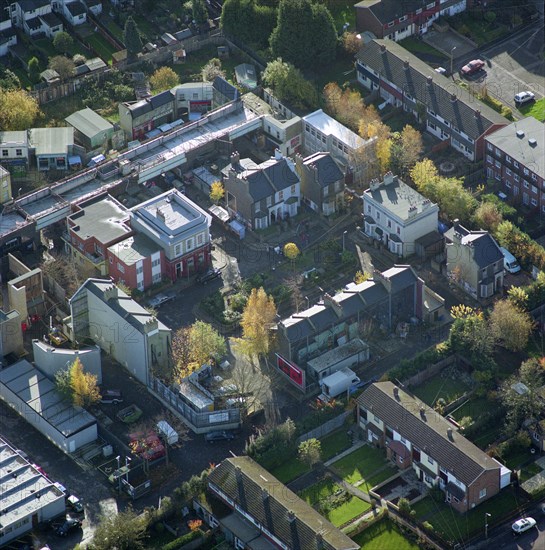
(520, 134)
(532, 142)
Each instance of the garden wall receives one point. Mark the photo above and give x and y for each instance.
(326, 428)
(420, 533)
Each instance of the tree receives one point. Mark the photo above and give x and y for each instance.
(205, 343)
(361, 277)
(510, 325)
(122, 531)
(212, 69)
(519, 297)
(293, 283)
(471, 333)
(34, 69)
(63, 65)
(180, 353)
(289, 84)
(199, 11)
(406, 150)
(132, 38)
(310, 452)
(164, 78)
(85, 391)
(523, 403)
(9, 80)
(217, 191)
(305, 34)
(487, 216)
(62, 383)
(249, 21)
(257, 320)
(351, 43)
(79, 59)
(424, 175)
(18, 110)
(63, 42)
(291, 252)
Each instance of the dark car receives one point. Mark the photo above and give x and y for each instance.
(219, 436)
(209, 275)
(111, 396)
(473, 67)
(160, 299)
(69, 525)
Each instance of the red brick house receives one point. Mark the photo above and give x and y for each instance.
(415, 435)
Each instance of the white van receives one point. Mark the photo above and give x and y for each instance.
(509, 261)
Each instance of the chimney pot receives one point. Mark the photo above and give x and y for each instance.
(430, 80)
(406, 64)
(382, 48)
(453, 98)
(477, 113)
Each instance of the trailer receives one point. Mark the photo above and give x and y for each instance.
(168, 432)
(337, 383)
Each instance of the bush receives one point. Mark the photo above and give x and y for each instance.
(183, 540)
(410, 367)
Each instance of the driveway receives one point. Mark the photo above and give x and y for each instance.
(449, 42)
(514, 65)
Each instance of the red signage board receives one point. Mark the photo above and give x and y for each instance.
(295, 374)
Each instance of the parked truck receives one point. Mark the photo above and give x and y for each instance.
(168, 432)
(337, 383)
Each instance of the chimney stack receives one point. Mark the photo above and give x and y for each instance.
(235, 157)
(406, 64)
(423, 413)
(291, 516)
(396, 393)
(477, 113)
(430, 80)
(161, 215)
(453, 97)
(449, 434)
(456, 224)
(382, 48)
(388, 178)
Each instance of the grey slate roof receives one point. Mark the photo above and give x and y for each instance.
(486, 250)
(29, 5)
(151, 103)
(223, 87)
(388, 10)
(88, 122)
(34, 23)
(328, 170)
(269, 502)
(51, 20)
(519, 148)
(76, 8)
(459, 456)
(429, 87)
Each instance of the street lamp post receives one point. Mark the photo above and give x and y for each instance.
(344, 235)
(118, 458)
(308, 302)
(451, 59)
(486, 516)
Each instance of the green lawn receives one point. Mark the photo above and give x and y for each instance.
(473, 407)
(146, 27)
(536, 109)
(335, 443)
(419, 46)
(454, 527)
(324, 489)
(196, 60)
(529, 471)
(347, 511)
(23, 76)
(516, 458)
(343, 12)
(101, 46)
(290, 470)
(362, 464)
(384, 535)
(114, 29)
(480, 31)
(440, 387)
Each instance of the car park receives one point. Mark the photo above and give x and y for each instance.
(524, 97)
(113, 397)
(69, 525)
(207, 276)
(222, 435)
(523, 525)
(160, 299)
(473, 67)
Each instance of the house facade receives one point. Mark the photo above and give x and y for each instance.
(323, 133)
(75, 12)
(397, 215)
(14, 148)
(398, 20)
(25, 14)
(403, 80)
(51, 25)
(140, 117)
(322, 182)
(414, 435)
(136, 339)
(91, 229)
(262, 194)
(181, 232)
(515, 159)
(8, 34)
(52, 147)
(256, 511)
(5, 185)
(474, 261)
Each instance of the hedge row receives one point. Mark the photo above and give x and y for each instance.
(497, 106)
(183, 540)
(410, 367)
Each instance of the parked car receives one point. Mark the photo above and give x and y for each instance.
(523, 525)
(113, 397)
(160, 299)
(223, 435)
(441, 70)
(473, 67)
(69, 525)
(524, 97)
(75, 503)
(209, 275)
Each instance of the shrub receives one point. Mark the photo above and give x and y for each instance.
(427, 526)
(183, 540)
(410, 367)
